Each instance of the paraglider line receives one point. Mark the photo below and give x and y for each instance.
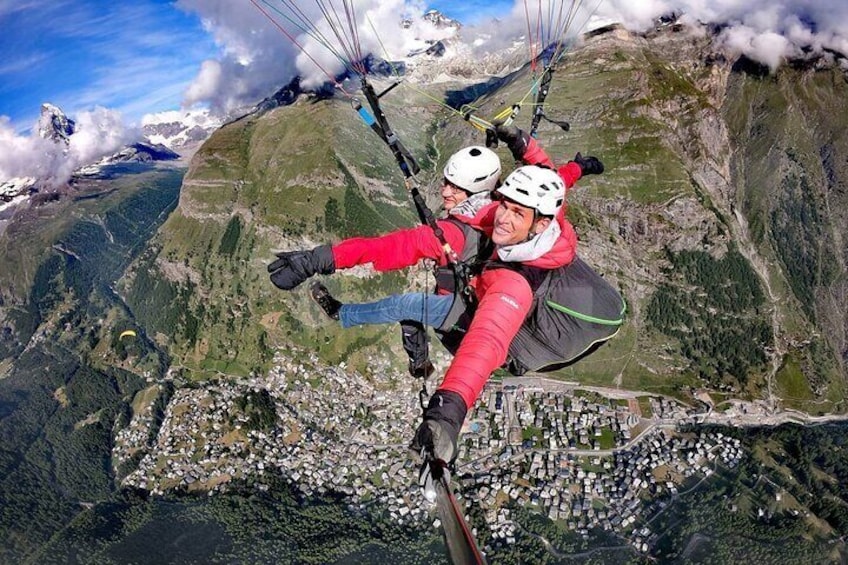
(294, 40)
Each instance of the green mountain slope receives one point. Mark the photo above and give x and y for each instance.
(719, 217)
(790, 179)
(67, 379)
(297, 176)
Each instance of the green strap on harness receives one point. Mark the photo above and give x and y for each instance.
(586, 317)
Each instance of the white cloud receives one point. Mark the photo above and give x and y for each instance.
(9, 7)
(11, 67)
(193, 117)
(767, 31)
(99, 133)
(634, 15)
(767, 48)
(764, 30)
(538, 26)
(258, 57)
(22, 156)
(206, 85)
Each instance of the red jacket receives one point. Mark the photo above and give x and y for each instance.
(504, 296)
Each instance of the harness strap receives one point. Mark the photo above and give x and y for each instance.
(404, 158)
(409, 167)
(538, 110)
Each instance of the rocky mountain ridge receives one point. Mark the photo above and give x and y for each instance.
(179, 130)
(138, 152)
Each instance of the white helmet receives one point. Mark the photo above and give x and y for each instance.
(535, 187)
(474, 169)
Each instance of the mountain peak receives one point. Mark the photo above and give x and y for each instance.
(54, 124)
(440, 20)
(180, 129)
(435, 17)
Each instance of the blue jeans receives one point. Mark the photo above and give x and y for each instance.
(429, 309)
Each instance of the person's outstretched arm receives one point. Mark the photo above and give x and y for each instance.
(398, 249)
(484, 348)
(395, 250)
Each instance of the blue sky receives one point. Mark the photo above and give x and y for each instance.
(135, 57)
(472, 11)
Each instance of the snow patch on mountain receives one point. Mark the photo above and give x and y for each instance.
(179, 129)
(135, 153)
(15, 191)
(435, 18)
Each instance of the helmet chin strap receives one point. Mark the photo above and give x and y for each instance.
(531, 234)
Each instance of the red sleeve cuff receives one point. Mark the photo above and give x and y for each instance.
(570, 173)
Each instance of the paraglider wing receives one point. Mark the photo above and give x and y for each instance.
(126, 333)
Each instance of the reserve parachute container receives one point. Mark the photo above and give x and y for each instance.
(574, 310)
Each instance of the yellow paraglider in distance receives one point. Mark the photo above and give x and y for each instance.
(126, 333)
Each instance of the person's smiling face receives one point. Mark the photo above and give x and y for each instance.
(513, 223)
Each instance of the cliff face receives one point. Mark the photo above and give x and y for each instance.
(720, 216)
(789, 173)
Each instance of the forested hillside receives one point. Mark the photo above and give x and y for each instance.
(67, 379)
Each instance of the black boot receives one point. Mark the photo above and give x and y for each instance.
(322, 296)
(416, 343)
(422, 371)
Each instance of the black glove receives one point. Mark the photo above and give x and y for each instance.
(293, 267)
(438, 433)
(589, 165)
(516, 139)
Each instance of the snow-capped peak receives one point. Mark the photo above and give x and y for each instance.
(440, 20)
(176, 129)
(15, 186)
(435, 18)
(15, 191)
(54, 124)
